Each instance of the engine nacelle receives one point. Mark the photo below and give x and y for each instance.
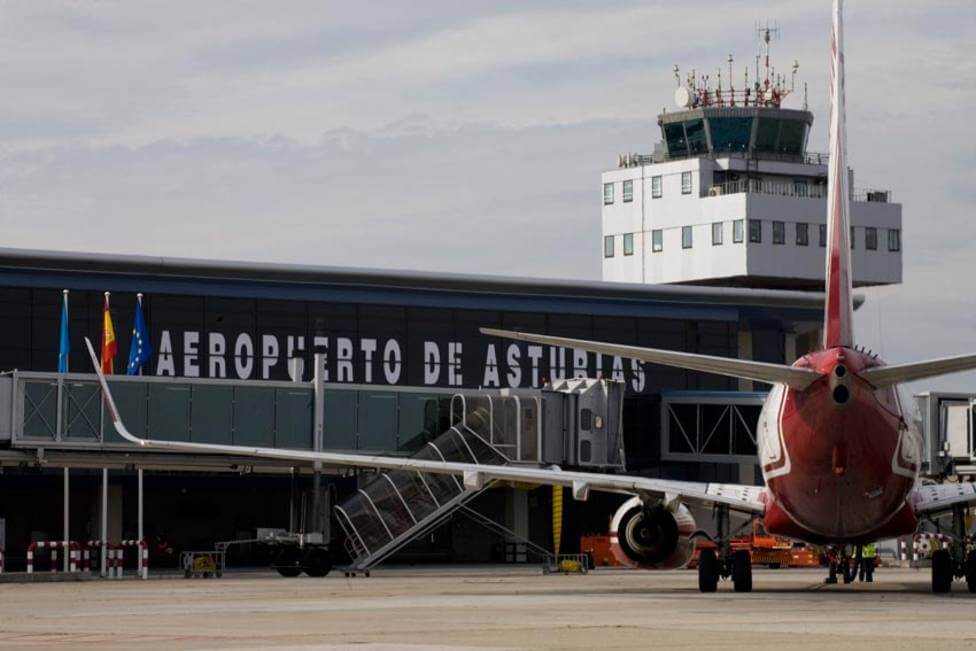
(652, 537)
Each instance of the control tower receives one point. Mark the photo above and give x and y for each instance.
(731, 196)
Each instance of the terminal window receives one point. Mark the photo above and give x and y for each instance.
(802, 234)
(755, 231)
(628, 244)
(657, 241)
(628, 191)
(779, 233)
(686, 237)
(607, 194)
(717, 234)
(737, 228)
(894, 239)
(871, 238)
(656, 187)
(852, 238)
(608, 246)
(823, 236)
(686, 183)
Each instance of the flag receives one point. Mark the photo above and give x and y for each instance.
(64, 344)
(140, 350)
(109, 346)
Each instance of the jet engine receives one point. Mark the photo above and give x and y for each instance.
(652, 536)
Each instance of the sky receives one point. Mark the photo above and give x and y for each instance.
(455, 136)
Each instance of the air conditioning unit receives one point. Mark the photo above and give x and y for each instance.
(715, 191)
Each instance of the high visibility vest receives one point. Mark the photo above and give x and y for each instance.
(869, 551)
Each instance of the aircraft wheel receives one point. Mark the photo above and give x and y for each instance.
(707, 571)
(941, 571)
(971, 571)
(742, 571)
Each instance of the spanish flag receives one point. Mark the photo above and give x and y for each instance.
(109, 346)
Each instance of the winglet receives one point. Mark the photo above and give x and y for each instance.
(110, 401)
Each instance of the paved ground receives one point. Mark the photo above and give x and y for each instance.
(486, 608)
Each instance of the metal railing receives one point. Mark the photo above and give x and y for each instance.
(788, 189)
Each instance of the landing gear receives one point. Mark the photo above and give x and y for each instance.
(941, 571)
(708, 571)
(714, 564)
(288, 561)
(316, 562)
(742, 571)
(971, 571)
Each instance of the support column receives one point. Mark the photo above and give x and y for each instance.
(318, 381)
(104, 533)
(517, 518)
(67, 522)
(790, 347)
(140, 507)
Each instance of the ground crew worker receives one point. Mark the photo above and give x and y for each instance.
(869, 555)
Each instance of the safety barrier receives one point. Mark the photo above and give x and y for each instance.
(923, 544)
(73, 551)
(113, 560)
(142, 558)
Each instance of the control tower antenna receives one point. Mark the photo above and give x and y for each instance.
(766, 34)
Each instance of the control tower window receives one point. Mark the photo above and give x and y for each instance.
(730, 135)
(608, 246)
(894, 239)
(766, 135)
(823, 236)
(675, 135)
(779, 233)
(717, 234)
(802, 234)
(791, 137)
(686, 237)
(628, 244)
(686, 183)
(737, 231)
(656, 187)
(695, 134)
(657, 241)
(755, 231)
(871, 238)
(607, 194)
(628, 191)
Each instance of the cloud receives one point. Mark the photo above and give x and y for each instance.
(451, 136)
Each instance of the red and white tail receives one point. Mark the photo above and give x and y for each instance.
(839, 308)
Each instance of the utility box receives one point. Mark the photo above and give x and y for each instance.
(582, 424)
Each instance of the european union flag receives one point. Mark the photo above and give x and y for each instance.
(141, 348)
(64, 344)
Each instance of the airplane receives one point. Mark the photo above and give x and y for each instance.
(839, 460)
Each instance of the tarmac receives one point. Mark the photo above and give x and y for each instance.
(487, 608)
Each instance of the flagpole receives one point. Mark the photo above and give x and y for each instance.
(64, 326)
(139, 300)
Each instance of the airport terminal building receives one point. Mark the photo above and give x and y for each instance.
(382, 336)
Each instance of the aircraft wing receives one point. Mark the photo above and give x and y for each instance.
(792, 376)
(937, 498)
(882, 376)
(748, 499)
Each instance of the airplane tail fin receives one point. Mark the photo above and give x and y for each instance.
(838, 307)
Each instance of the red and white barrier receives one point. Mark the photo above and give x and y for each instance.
(114, 561)
(73, 551)
(142, 558)
(925, 543)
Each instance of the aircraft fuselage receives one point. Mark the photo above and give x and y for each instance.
(838, 457)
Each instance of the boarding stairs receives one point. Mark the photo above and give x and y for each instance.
(400, 506)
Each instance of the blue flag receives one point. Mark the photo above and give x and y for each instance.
(140, 350)
(64, 344)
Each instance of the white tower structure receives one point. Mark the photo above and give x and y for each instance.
(732, 197)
